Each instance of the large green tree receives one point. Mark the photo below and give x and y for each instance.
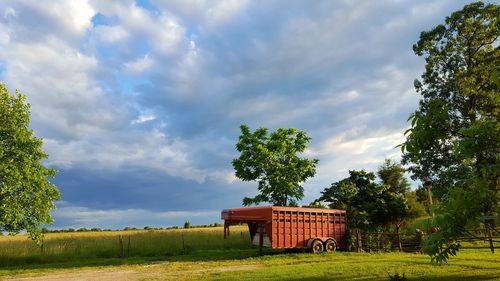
(373, 205)
(370, 204)
(356, 194)
(454, 139)
(26, 193)
(454, 132)
(274, 162)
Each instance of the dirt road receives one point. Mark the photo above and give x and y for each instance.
(146, 272)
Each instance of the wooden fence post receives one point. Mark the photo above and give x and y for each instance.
(183, 245)
(120, 243)
(128, 247)
(490, 237)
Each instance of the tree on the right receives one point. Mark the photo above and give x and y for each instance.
(454, 139)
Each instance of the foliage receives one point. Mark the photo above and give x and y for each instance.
(454, 139)
(459, 211)
(26, 193)
(187, 224)
(355, 194)
(315, 204)
(417, 209)
(395, 184)
(423, 198)
(397, 277)
(272, 161)
(370, 204)
(392, 175)
(454, 133)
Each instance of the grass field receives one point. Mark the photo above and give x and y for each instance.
(60, 247)
(159, 255)
(224, 265)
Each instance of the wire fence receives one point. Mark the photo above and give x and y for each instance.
(480, 238)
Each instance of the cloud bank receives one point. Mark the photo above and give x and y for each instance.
(139, 102)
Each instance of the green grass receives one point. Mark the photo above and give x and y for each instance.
(64, 247)
(159, 255)
(353, 266)
(246, 265)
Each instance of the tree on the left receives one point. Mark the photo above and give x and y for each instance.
(26, 193)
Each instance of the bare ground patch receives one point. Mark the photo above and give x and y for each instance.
(154, 271)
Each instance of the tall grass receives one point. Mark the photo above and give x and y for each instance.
(60, 247)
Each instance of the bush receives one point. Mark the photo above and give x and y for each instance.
(397, 277)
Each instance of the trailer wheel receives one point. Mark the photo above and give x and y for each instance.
(330, 246)
(317, 246)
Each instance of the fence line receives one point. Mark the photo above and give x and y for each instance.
(387, 241)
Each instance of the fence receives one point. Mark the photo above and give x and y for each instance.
(489, 235)
(385, 242)
(480, 238)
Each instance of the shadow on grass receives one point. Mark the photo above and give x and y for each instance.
(192, 256)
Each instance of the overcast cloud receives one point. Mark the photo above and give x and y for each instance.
(139, 102)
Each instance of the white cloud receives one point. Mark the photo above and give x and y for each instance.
(205, 13)
(143, 118)
(358, 148)
(222, 11)
(111, 34)
(139, 65)
(357, 142)
(163, 31)
(9, 12)
(146, 149)
(64, 19)
(73, 106)
(77, 217)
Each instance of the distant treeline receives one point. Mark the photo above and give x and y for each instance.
(128, 228)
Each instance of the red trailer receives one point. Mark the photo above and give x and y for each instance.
(291, 227)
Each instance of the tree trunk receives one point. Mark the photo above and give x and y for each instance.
(400, 246)
(359, 244)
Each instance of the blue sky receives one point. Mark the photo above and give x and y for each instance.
(139, 102)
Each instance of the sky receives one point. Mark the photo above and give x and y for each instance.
(139, 103)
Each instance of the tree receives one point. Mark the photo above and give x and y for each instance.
(272, 161)
(372, 205)
(315, 204)
(26, 193)
(394, 209)
(356, 195)
(417, 208)
(454, 139)
(392, 175)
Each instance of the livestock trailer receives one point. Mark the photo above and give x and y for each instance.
(291, 227)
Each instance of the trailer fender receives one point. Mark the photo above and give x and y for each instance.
(311, 241)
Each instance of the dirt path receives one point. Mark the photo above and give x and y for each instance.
(152, 271)
(85, 275)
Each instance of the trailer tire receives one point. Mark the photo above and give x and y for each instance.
(330, 246)
(317, 246)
